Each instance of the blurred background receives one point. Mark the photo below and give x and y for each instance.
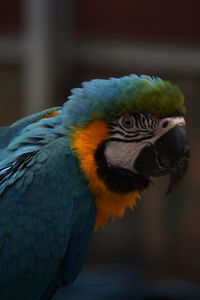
(48, 47)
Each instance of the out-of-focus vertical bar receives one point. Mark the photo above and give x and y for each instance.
(38, 67)
(50, 48)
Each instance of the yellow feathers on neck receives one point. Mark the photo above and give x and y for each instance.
(84, 142)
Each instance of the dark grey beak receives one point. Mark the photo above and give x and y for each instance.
(169, 155)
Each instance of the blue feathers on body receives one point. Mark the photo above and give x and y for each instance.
(43, 211)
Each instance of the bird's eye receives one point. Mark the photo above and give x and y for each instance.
(127, 122)
(164, 125)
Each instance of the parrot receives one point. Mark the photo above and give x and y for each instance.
(68, 170)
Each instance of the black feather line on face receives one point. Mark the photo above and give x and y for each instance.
(118, 180)
(136, 140)
(129, 134)
(144, 127)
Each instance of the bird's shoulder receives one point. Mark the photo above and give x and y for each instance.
(41, 199)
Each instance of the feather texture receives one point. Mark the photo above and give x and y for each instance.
(109, 99)
(38, 212)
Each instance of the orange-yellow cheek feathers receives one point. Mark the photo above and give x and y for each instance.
(84, 142)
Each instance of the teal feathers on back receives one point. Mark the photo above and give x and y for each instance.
(42, 210)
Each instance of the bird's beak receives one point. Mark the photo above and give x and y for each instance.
(168, 155)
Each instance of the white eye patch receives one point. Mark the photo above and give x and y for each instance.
(124, 144)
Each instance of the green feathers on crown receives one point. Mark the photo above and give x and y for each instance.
(109, 99)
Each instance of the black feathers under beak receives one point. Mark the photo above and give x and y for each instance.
(168, 155)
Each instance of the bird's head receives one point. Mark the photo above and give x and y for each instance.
(132, 129)
(140, 146)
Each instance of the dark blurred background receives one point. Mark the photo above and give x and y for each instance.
(49, 47)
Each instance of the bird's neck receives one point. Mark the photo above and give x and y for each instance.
(84, 142)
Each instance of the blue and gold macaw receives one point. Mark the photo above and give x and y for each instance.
(65, 171)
